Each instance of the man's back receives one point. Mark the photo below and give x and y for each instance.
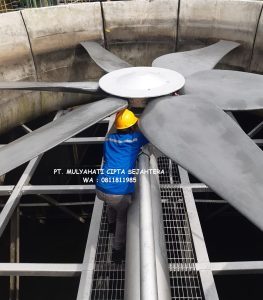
(120, 154)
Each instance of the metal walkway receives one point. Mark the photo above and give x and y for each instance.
(109, 278)
(191, 272)
(184, 279)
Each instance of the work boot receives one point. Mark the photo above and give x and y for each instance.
(112, 227)
(118, 255)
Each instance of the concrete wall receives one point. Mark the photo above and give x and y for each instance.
(16, 63)
(139, 31)
(257, 58)
(42, 44)
(54, 33)
(203, 22)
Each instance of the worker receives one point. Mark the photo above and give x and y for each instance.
(116, 183)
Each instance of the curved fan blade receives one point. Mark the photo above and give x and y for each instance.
(190, 62)
(230, 90)
(71, 87)
(52, 134)
(203, 139)
(104, 58)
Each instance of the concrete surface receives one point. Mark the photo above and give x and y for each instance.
(201, 22)
(257, 61)
(139, 31)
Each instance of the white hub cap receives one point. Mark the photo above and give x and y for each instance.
(141, 82)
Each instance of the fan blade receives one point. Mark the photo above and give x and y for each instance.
(72, 87)
(104, 58)
(203, 139)
(190, 62)
(52, 134)
(230, 90)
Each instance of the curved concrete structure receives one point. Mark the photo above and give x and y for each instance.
(139, 31)
(203, 21)
(36, 46)
(256, 61)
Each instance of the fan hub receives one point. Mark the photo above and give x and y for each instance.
(141, 82)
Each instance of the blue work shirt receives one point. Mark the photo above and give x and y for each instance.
(120, 154)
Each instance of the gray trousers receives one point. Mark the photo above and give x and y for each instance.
(117, 207)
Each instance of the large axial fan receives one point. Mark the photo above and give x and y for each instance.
(192, 129)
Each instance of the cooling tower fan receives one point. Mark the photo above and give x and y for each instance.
(192, 128)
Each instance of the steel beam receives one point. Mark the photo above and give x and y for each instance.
(49, 189)
(194, 186)
(58, 204)
(85, 284)
(213, 201)
(58, 189)
(14, 253)
(14, 198)
(26, 128)
(230, 268)
(208, 284)
(50, 270)
(84, 140)
(6, 189)
(259, 142)
(237, 267)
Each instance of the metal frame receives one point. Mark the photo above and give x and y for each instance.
(15, 192)
(203, 265)
(85, 285)
(28, 269)
(206, 275)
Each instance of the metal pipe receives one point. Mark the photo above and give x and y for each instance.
(163, 278)
(147, 252)
(132, 261)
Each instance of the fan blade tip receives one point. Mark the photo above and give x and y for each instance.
(236, 44)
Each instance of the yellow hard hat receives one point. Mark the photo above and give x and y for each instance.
(125, 119)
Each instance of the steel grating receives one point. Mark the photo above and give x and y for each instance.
(184, 279)
(108, 278)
